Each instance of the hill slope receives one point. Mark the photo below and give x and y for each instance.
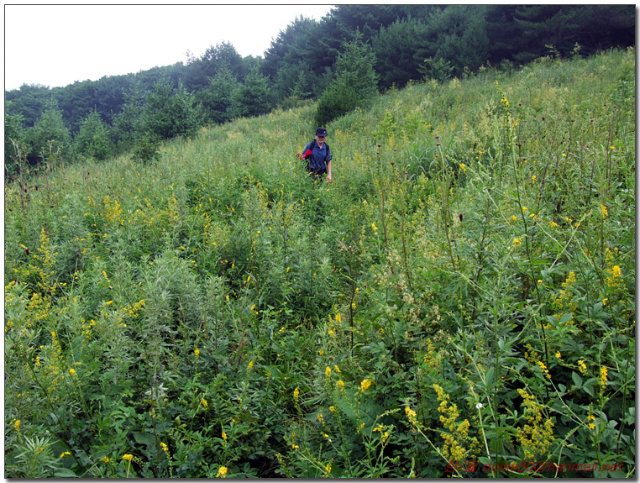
(461, 296)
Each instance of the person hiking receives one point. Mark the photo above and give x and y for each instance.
(318, 156)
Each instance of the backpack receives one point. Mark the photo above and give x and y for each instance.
(313, 144)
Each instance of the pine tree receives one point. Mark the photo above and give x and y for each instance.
(356, 82)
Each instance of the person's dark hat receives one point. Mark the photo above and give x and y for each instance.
(322, 132)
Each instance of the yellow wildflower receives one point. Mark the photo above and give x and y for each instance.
(411, 415)
(224, 435)
(72, 371)
(17, 425)
(582, 366)
(222, 472)
(516, 242)
(328, 468)
(340, 384)
(365, 384)
(204, 402)
(463, 168)
(250, 365)
(66, 453)
(296, 393)
(604, 211)
(164, 447)
(327, 372)
(336, 368)
(196, 352)
(127, 457)
(603, 376)
(106, 459)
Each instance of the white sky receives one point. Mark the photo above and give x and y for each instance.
(56, 45)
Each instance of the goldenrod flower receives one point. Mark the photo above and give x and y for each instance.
(164, 447)
(411, 414)
(222, 472)
(340, 384)
(196, 352)
(204, 402)
(605, 213)
(72, 371)
(66, 453)
(603, 376)
(582, 366)
(516, 242)
(327, 372)
(336, 368)
(332, 409)
(365, 384)
(328, 468)
(127, 457)
(463, 168)
(616, 271)
(250, 365)
(17, 425)
(296, 393)
(224, 435)
(604, 301)
(106, 459)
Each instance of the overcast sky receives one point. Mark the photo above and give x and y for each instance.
(56, 45)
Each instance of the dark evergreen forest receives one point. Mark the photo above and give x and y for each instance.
(403, 43)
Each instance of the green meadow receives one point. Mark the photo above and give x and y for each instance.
(459, 301)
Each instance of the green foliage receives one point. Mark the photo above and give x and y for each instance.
(49, 135)
(460, 300)
(14, 137)
(170, 113)
(94, 138)
(252, 97)
(354, 85)
(216, 99)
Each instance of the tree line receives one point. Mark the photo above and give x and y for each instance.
(341, 60)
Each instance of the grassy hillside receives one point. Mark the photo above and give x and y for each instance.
(460, 299)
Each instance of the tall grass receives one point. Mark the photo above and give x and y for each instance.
(460, 300)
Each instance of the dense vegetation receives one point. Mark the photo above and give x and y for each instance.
(407, 43)
(460, 299)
